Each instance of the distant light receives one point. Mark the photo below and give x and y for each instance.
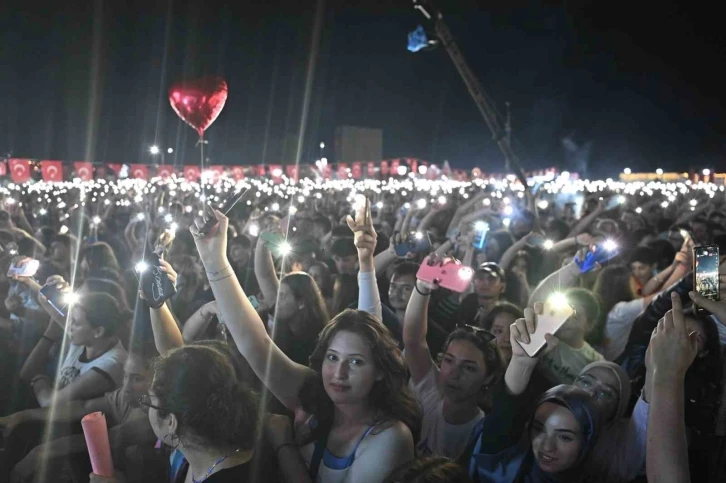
(324, 161)
(154, 149)
(508, 210)
(423, 169)
(639, 210)
(421, 204)
(407, 205)
(170, 150)
(664, 204)
(542, 204)
(96, 220)
(506, 221)
(168, 218)
(275, 207)
(402, 170)
(187, 209)
(627, 171)
(277, 172)
(621, 199)
(173, 228)
(379, 205)
(43, 211)
(659, 171)
(292, 210)
(693, 202)
(442, 200)
(253, 230)
(566, 174)
(418, 235)
(322, 145)
(63, 230)
(706, 172)
(141, 267)
(161, 209)
(487, 202)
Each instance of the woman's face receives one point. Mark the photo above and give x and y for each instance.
(500, 328)
(80, 331)
(463, 372)
(556, 438)
(604, 387)
(286, 305)
(348, 371)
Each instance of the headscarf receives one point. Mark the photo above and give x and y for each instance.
(623, 389)
(580, 404)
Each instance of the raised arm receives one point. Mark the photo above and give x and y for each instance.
(197, 324)
(671, 353)
(582, 225)
(167, 335)
(512, 251)
(243, 322)
(521, 366)
(265, 272)
(369, 299)
(415, 328)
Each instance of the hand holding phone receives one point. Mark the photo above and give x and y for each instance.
(548, 318)
(23, 267)
(706, 280)
(597, 254)
(448, 273)
(210, 221)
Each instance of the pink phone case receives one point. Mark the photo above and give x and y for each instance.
(449, 273)
(551, 320)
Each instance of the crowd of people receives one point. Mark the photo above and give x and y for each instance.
(301, 342)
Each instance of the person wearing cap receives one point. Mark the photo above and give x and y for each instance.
(94, 361)
(489, 286)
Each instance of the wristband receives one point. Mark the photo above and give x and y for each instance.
(212, 274)
(415, 286)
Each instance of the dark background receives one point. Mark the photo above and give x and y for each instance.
(593, 85)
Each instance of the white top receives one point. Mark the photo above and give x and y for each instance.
(617, 328)
(369, 300)
(620, 449)
(437, 436)
(110, 363)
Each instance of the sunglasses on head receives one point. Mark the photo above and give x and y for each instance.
(483, 334)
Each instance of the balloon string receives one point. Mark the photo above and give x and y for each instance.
(201, 144)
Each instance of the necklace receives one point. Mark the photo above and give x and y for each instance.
(211, 468)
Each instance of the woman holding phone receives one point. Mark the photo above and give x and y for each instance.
(356, 386)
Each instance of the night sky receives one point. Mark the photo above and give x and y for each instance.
(600, 85)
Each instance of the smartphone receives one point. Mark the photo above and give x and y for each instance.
(553, 317)
(482, 229)
(155, 284)
(414, 245)
(56, 299)
(27, 268)
(705, 267)
(449, 273)
(225, 208)
(253, 300)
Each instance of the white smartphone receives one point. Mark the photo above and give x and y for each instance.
(555, 314)
(27, 268)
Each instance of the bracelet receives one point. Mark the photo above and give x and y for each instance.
(212, 274)
(221, 278)
(415, 285)
(283, 445)
(48, 338)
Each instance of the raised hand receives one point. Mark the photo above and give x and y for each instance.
(672, 349)
(212, 247)
(362, 227)
(522, 329)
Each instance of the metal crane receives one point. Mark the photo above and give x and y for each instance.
(484, 104)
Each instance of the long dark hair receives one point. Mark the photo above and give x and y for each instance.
(100, 258)
(199, 386)
(345, 292)
(314, 313)
(391, 397)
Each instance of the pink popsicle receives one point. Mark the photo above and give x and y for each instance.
(99, 450)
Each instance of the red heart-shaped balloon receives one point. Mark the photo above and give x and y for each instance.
(199, 102)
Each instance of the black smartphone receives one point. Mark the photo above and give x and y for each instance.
(225, 208)
(705, 269)
(155, 284)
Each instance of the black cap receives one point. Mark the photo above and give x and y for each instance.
(492, 268)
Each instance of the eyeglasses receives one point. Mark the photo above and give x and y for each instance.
(602, 393)
(483, 334)
(145, 400)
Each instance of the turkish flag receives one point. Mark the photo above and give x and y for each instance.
(52, 170)
(384, 168)
(19, 170)
(84, 170)
(342, 171)
(215, 173)
(357, 170)
(371, 168)
(292, 171)
(115, 167)
(165, 171)
(192, 173)
(238, 172)
(3, 168)
(260, 170)
(139, 171)
(276, 173)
